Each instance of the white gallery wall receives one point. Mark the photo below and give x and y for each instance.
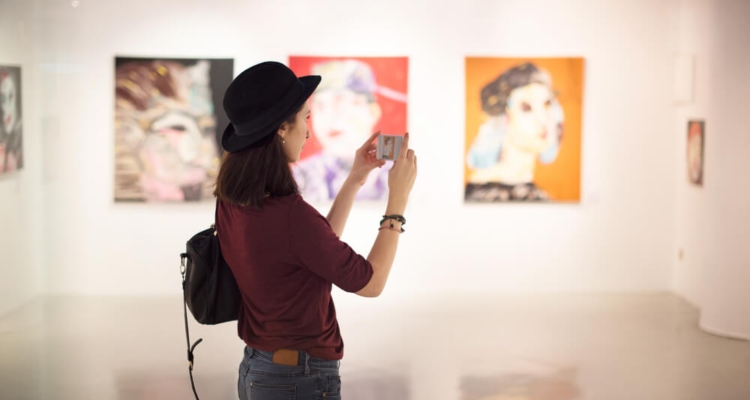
(695, 34)
(726, 274)
(712, 220)
(21, 240)
(619, 238)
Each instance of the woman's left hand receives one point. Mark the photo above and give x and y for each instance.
(365, 160)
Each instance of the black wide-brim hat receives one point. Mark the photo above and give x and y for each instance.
(259, 99)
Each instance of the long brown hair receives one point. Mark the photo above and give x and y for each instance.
(247, 176)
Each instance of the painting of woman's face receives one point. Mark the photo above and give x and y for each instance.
(342, 119)
(523, 129)
(165, 127)
(8, 103)
(174, 155)
(532, 126)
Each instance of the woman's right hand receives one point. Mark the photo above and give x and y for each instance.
(402, 175)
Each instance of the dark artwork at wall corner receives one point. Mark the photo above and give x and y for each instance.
(11, 112)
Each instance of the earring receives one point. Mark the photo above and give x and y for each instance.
(283, 141)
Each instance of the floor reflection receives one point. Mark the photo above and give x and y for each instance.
(568, 347)
(369, 384)
(521, 385)
(173, 385)
(373, 384)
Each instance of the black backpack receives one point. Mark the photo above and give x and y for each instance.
(208, 285)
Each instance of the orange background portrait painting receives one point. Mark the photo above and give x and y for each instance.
(523, 129)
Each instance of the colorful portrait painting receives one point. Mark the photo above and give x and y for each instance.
(11, 127)
(168, 120)
(695, 145)
(523, 129)
(356, 98)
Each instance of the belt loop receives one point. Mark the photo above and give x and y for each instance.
(307, 363)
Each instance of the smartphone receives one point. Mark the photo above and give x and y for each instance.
(389, 146)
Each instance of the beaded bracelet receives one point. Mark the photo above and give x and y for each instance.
(393, 228)
(397, 217)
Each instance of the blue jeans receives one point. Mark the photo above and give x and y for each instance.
(312, 379)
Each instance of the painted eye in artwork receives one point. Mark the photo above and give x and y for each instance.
(176, 122)
(525, 107)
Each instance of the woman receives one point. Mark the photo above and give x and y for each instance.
(283, 253)
(524, 123)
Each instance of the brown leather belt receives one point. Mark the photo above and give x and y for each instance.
(286, 357)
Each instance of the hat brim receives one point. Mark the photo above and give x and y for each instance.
(231, 142)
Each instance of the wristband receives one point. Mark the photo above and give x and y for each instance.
(397, 217)
(402, 230)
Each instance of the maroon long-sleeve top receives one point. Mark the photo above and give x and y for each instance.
(286, 257)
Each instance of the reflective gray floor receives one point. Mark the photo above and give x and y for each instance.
(561, 347)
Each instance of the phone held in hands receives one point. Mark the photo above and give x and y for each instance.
(389, 146)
